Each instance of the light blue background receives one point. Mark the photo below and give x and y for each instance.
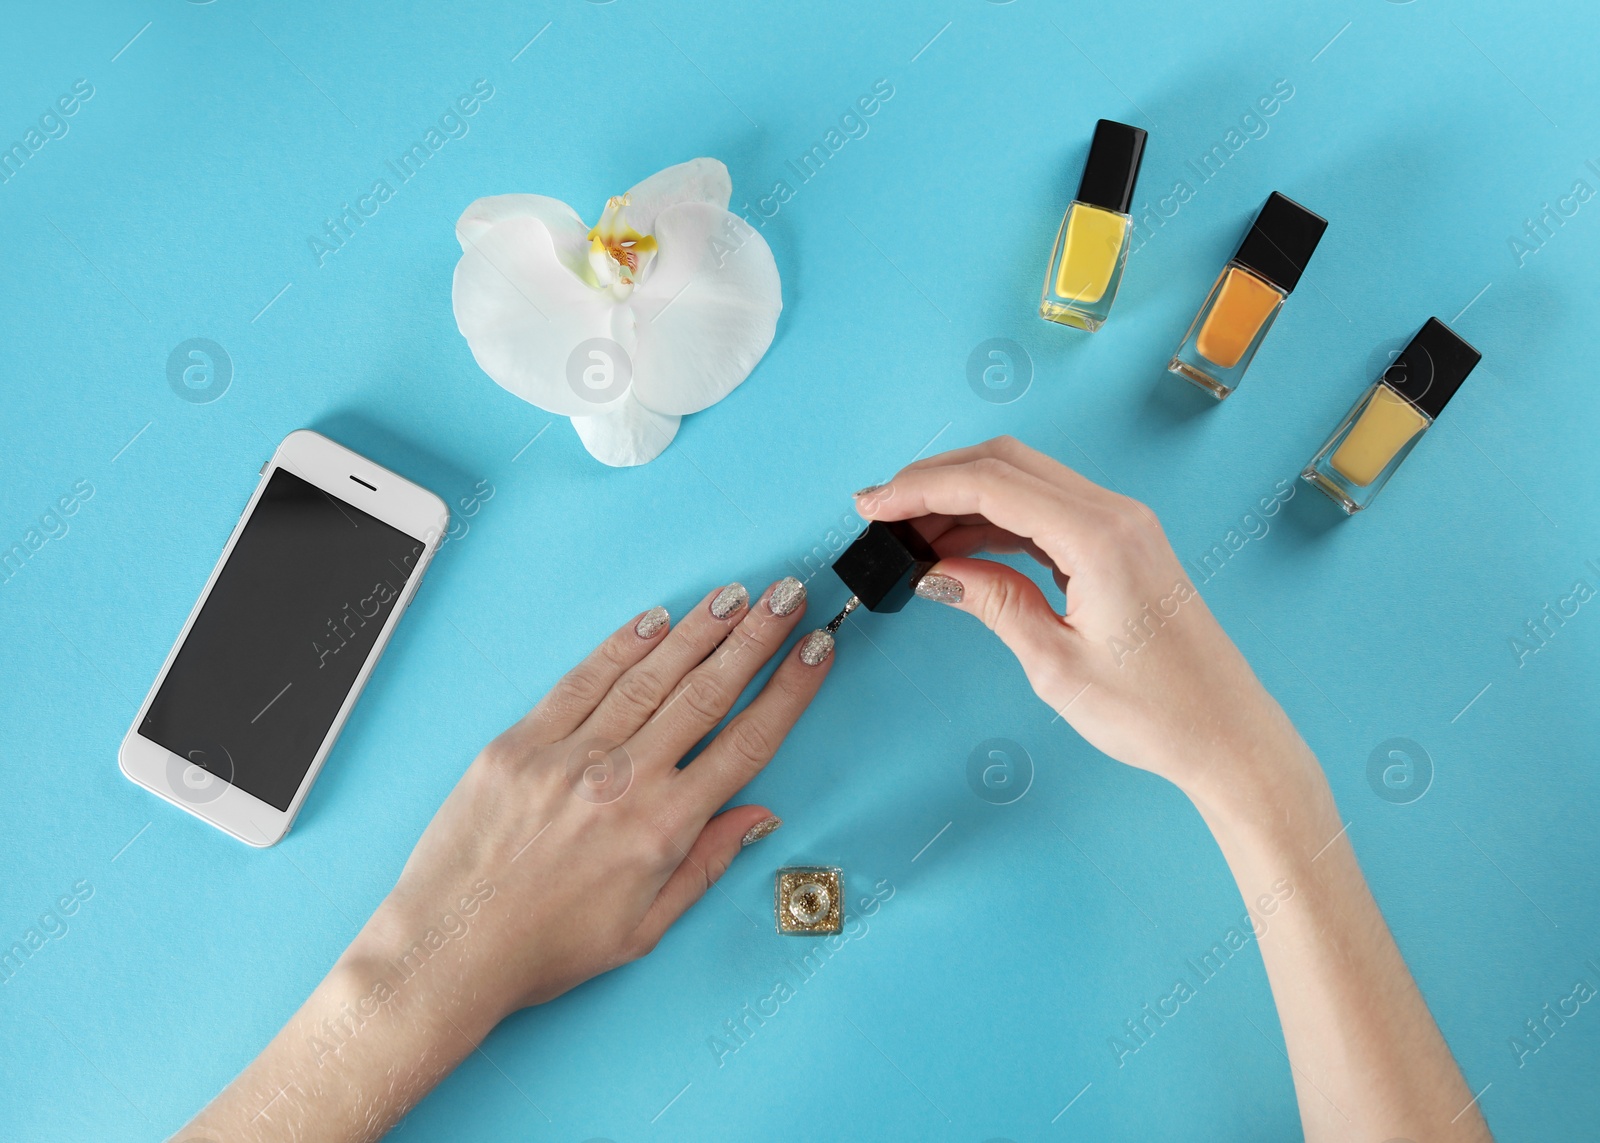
(982, 999)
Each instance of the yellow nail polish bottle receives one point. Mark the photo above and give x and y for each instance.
(1092, 247)
(1391, 417)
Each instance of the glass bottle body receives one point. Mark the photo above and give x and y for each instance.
(1371, 442)
(1225, 334)
(1086, 266)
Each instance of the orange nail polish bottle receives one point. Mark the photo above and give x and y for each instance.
(1240, 309)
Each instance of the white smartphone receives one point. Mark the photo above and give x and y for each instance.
(309, 588)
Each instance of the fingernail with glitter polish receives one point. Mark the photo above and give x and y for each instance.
(940, 588)
(760, 830)
(729, 600)
(815, 648)
(869, 488)
(786, 595)
(651, 623)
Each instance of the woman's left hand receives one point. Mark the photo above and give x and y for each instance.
(576, 832)
(570, 845)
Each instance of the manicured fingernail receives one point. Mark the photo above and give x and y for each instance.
(729, 600)
(651, 623)
(940, 588)
(786, 595)
(815, 648)
(870, 488)
(760, 830)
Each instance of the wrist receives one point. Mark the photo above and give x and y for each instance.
(366, 1046)
(1266, 794)
(417, 970)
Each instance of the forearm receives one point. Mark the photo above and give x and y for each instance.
(372, 1040)
(1367, 1058)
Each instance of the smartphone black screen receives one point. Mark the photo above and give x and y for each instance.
(281, 638)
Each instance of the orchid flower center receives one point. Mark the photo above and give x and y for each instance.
(619, 254)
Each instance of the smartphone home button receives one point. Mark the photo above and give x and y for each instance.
(202, 775)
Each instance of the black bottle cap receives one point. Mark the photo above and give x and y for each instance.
(882, 567)
(1113, 166)
(1281, 241)
(1430, 370)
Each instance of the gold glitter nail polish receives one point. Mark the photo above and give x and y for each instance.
(809, 899)
(816, 647)
(729, 600)
(760, 830)
(941, 588)
(786, 595)
(651, 623)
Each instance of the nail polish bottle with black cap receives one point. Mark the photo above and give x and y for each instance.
(1240, 309)
(1391, 417)
(882, 567)
(1092, 247)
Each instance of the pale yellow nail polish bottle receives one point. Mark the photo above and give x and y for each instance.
(1391, 417)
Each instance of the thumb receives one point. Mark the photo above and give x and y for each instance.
(1009, 604)
(708, 859)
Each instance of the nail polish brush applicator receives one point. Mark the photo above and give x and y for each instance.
(882, 568)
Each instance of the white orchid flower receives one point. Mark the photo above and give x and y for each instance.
(658, 311)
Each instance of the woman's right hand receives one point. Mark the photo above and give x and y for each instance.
(1142, 670)
(1137, 663)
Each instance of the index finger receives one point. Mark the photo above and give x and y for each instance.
(1035, 463)
(1059, 520)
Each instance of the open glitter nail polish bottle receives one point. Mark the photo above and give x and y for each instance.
(882, 567)
(809, 899)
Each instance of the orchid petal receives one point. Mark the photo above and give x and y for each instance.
(627, 435)
(567, 232)
(707, 311)
(698, 180)
(526, 317)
